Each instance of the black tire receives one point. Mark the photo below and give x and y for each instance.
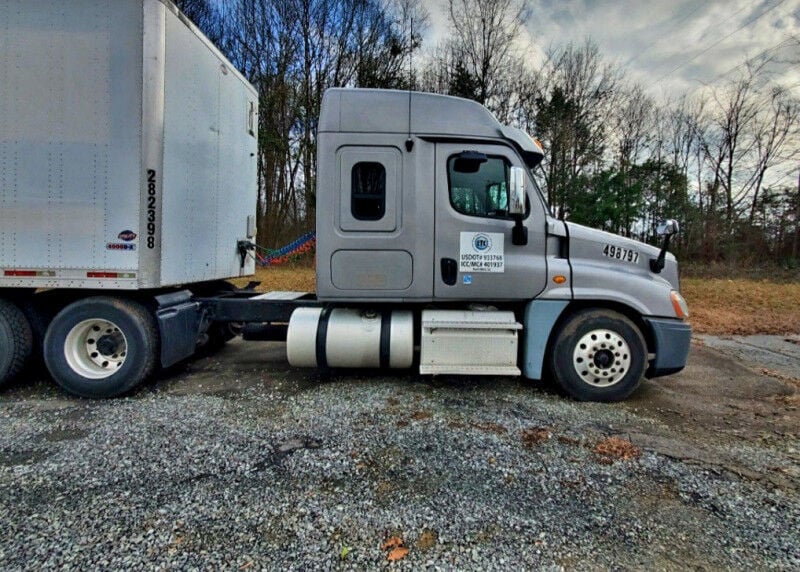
(72, 333)
(598, 355)
(16, 341)
(38, 318)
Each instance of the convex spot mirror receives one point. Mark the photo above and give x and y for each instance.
(516, 191)
(469, 162)
(668, 227)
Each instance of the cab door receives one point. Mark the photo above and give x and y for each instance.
(474, 257)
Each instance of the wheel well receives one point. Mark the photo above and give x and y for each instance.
(627, 311)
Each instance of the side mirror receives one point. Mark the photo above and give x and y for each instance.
(516, 191)
(516, 205)
(668, 227)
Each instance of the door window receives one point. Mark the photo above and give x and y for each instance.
(482, 192)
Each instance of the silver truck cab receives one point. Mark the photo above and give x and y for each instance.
(418, 206)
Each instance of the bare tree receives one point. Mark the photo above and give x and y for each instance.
(484, 41)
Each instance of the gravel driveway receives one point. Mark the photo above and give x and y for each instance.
(241, 462)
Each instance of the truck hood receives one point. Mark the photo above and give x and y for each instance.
(608, 267)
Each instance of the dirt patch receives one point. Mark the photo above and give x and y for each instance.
(427, 540)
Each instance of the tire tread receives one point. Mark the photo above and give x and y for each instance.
(21, 338)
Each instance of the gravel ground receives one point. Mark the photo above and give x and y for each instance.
(241, 462)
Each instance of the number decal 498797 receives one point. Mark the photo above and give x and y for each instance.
(621, 253)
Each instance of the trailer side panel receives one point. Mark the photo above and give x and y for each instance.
(70, 111)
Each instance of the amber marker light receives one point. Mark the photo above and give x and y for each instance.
(559, 279)
(679, 305)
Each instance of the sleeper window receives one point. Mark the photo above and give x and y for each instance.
(482, 193)
(368, 191)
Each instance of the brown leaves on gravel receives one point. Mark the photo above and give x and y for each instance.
(395, 548)
(535, 436)
(616, 448)
(780, 376)
(490, 427)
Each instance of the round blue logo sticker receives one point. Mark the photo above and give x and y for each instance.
(481, 242)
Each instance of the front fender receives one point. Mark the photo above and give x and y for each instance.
(649, 295)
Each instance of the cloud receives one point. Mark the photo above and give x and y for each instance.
(671, 48)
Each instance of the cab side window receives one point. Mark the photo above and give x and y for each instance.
(479, 189)
(368, 191)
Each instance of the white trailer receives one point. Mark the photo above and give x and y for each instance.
(127, 164)
(127, 148)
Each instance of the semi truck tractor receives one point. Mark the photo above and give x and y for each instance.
(128, 193)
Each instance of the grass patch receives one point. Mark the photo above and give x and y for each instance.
(742, 306)
(717, 305)
(297, 278)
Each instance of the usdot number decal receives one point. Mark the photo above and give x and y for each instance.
(481, 252)
(620, 253)
(151, 208)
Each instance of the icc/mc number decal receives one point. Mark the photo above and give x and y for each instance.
(151, 208)
(620, 253)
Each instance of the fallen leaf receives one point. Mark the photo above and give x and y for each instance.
(535, 435)
(397, 554)
(392, 542)
(617, 448)
(420, 415)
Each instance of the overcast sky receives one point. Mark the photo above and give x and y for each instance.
(659, 39)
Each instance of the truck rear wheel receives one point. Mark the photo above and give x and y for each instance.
(16, 341)
(598, 355)
(101, 346)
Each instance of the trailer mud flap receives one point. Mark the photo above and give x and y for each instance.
(178, 323)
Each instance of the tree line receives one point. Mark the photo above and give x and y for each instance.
(724, 161)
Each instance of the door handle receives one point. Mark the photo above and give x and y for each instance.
(449, 271)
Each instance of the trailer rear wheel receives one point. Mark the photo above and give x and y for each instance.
(598, 355)
(101, 346)
(16, 341)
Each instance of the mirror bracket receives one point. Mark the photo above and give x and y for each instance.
(519, 234)
(666, 229)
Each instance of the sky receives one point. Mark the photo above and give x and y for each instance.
(670, 47)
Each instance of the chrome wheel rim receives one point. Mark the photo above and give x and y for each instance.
(601, 358)
(95, 349)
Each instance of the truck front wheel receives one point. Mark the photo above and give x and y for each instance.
(16, 340)
(598, 355)
(101, 346)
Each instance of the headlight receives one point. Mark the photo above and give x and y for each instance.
(679, 304)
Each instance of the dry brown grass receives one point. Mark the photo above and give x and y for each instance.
(717, 305)
(742, 306)
(297, 278)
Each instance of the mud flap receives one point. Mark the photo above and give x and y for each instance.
(179, 324)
